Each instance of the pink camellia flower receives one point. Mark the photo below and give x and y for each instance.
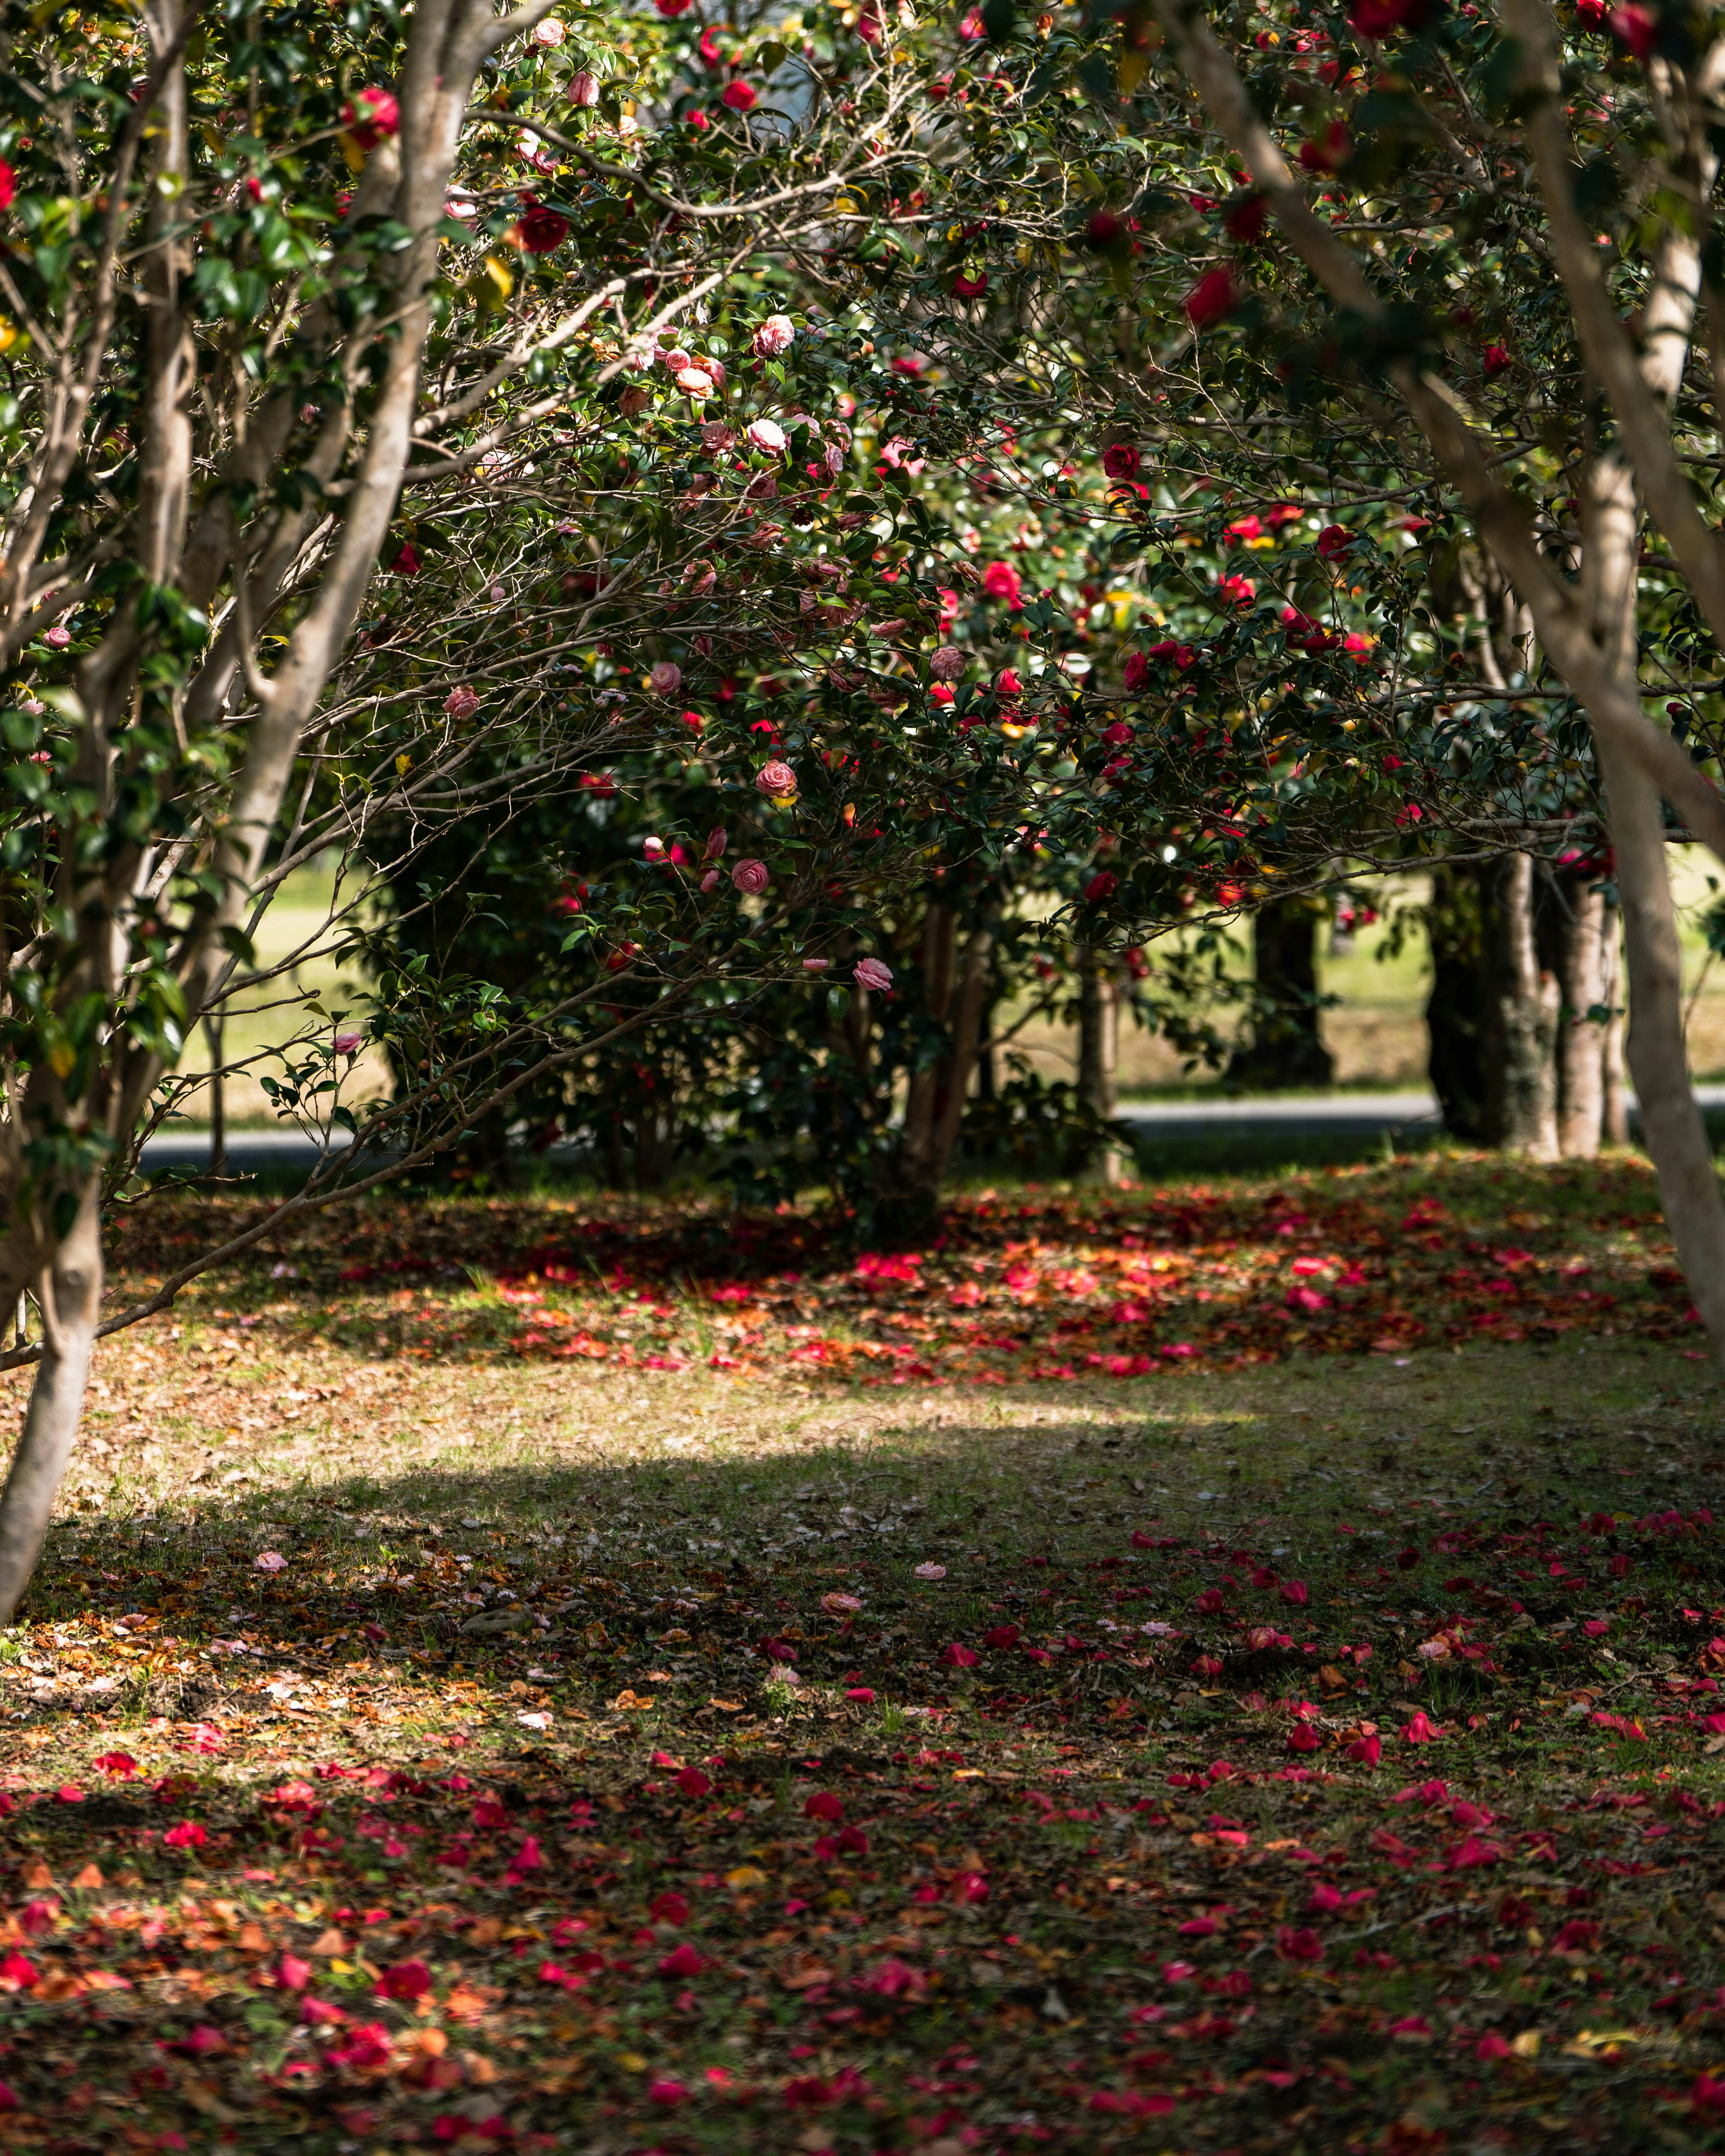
(958, 1657)
(739, 96)
(674, 359)
(549, 31)
(1421, 1730)
(709, 881)
(765, 434)
(777, 780)
(371, 117)
(861, 1695)
(1495, 360)
(774, 337)
(750, 877)
(695, 380)
(872, 973)
(348, 1044)
(1000, 581)
(270, 1561)
(816, 965)
(716, 844)
(633, 400)
(716, 435)
(57, 637)
(665, 679)
(1634, 27)
(653, 848)
(1212, 299)
(1102, 887)
(1119, 461)
(948, 663)
(584, 88)
(187, 1835)
(461, 703)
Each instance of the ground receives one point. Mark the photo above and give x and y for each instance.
(1229, 1666)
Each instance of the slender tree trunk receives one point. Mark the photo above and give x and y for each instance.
(217, 1098)
(1099, 1047)
(934, 1105)
(70, 1292)
(1579, 928)
(1521, 1077)
(1613, 1117)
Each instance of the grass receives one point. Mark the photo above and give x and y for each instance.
(625, 1759)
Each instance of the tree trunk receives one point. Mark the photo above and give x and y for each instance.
(1522, 1075)
(1578, 921)
(70, 1293)
(1099, 1047)
(1670, 1119)
(217, 1098)
(1287, 1047)
(1614, 1118)
(1455, 1013)
(934, 1107)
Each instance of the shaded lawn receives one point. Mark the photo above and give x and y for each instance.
(551, 1793)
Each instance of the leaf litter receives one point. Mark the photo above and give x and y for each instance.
(979, 1782)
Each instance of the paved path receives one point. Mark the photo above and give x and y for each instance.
(1335, 1115)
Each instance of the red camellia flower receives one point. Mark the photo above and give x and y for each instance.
(672, 8)
(1104, 228)
(1102, 887)
(971, 288)
(1007, 684)
(739, 96)
(1000, 581)
(1333, 540)
(371, 117)
(669, 1908)
(541, 228)
(958, 1657)
(8, 184)
(1329, 151)
(824, 1805)
(682, 1961)
(1592, 14)
(1377, 18)
(694, 1784)
(1001, 1635)
(1302, 1737)
(405, 1979)
(407, 560)
(1245, 217)
(1494, 360)
(1137, 667)
(1634, 27)
(1298, 1945)
(1119, 461)
(1212, 299)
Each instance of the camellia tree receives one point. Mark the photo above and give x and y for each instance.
(1424, 283)
(407, 420)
